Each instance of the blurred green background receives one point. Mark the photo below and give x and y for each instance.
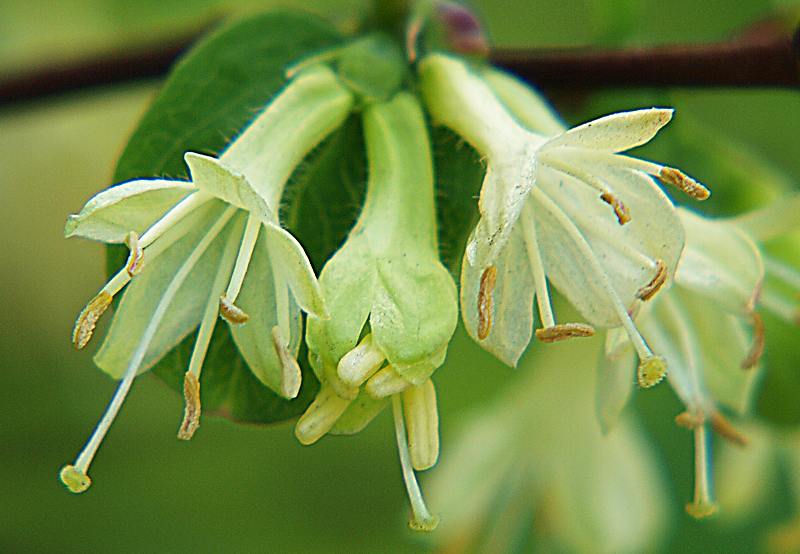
(238, 488)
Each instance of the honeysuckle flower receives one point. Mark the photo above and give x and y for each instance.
(393, 306)
(702, 327)
(210, 247)
(560, 207)
(508, 485)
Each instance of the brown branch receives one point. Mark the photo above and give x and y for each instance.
(765, 57)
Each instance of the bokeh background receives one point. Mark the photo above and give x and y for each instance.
(238, 488)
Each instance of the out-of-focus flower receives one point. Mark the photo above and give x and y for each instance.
(708, 328)
(393, 305)
(532, 471)
(557, 206)
(211, 247)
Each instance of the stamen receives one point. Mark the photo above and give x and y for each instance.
(422, 421)
(564, 331)
(486, 301)
(759, 341)
(681, 181)
(537, 267)
(651, 371)
(87, 320)
(230, 312)
(386, 382)
(136, 256)
(243, 257)
(191, 380)
(649, 361)
(84, 459)
(422, 519)
(650, 289)
(320, 416)
(360, 363)
(689, 420)
(178, 212)
(725, 429)
(291, 376)
(192, 406)
(702, 506)
(620, 209)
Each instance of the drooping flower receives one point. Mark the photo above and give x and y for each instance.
(708, 329)
(210, 247)
(393, 305)
(508, 485)
(560, 207)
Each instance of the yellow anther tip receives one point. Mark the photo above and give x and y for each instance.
(651, 371)
(76, 481)
(701, 510)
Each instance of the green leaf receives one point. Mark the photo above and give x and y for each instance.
(212, 93)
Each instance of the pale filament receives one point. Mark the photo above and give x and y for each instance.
(87, 454)
(537, 268)
(175, 214)
(422, 519)
(243, 258)
(625, 320)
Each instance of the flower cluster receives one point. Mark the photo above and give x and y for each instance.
(561, 208)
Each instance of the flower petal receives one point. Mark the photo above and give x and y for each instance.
(720, 262)
(133, 206)
(297, 270)
(616, 132)
(144, 293)
(254, 338)
(414, 313)
(214, 177)
(511, 302)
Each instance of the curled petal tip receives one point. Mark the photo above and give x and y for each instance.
(74, 479)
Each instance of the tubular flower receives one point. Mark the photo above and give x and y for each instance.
(211, 247)
(560, 207)
(392, 303)
(702, 326)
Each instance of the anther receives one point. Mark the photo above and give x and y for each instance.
(726, 430)
(386, 383)
(651, 371)
(564, 331)
(74, 479)
(681, 181)
(136, 256)
(486, 301)
(650, 289)
(759, 341)
(291, 376)
(360, 363)
(231, 312)
(320, 416)
(422, 425)
(689, 420)
(620, 209)
(192, 406)
(87, 320)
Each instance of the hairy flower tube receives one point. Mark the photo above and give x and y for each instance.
(702, 326)
(560, 207)
(207, 248)
(393, 305)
